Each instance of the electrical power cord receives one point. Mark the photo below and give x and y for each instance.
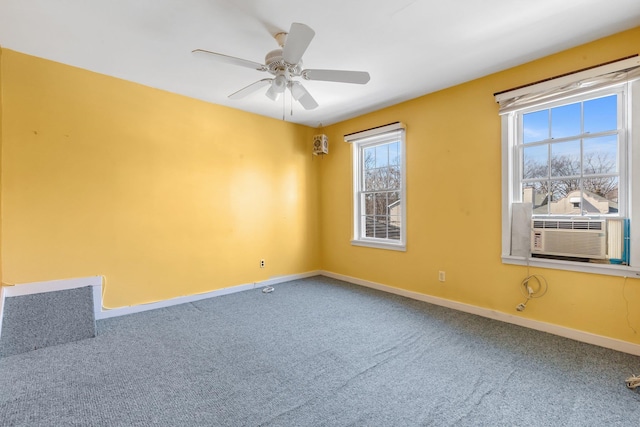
(633, 382)
(533, 286)
(626, 301)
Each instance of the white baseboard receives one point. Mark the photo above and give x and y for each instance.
(101, 313)
(574, 334)
(121, 311)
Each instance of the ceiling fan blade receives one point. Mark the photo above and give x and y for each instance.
(229, 59)
(301, 95)
(359, 77)
(298, 39)
(250, 89)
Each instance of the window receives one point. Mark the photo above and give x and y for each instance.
(379, 187)
(569, 161)
(571, 155)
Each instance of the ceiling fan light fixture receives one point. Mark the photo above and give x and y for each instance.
(272, 94)
(300, 94)
(279, 83)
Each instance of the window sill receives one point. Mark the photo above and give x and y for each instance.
(380, 245)
(582, 267)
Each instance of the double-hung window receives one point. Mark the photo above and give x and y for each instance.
(379, 198)
(571, 171)
(572, 155)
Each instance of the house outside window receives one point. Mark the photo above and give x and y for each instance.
(379, 187)
(570, 160)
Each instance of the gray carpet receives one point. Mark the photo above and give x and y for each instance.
(317, 352)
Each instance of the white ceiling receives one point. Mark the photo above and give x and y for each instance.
(410, 47)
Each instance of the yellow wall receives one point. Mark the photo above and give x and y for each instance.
(454, 206)
(169, 196)
(162, 194)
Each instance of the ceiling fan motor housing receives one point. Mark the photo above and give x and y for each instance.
(274, 63)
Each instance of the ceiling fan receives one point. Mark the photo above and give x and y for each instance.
(284, 64)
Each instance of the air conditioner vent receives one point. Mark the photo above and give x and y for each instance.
(568, 224)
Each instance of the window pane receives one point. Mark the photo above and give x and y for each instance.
(603, 193)
(394, 177)
(381, 203)
(600, 114)
(382, 155)
(369, 158)
(562, 188)
(369, 180)
(565, 120)
(385, 177)
(368, 204)
(536, 162)
(600, 155)
(376, 179)
(565, 159)
(536, 193)
(394, 154)
(395, 215)
(535, 126)
(393, 229)
(369, 226)
(380, 227)
(394, 197)
(376, 226)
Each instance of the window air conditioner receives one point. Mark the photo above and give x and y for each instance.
(570, 238)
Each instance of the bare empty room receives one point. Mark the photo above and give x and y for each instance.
(319, 213)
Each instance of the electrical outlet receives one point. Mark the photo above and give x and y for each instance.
(261, 263)
(441, 276)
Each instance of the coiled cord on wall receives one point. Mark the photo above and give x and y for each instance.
(533, 286)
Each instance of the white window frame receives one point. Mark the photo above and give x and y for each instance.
(623, 76)
(360, 141)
